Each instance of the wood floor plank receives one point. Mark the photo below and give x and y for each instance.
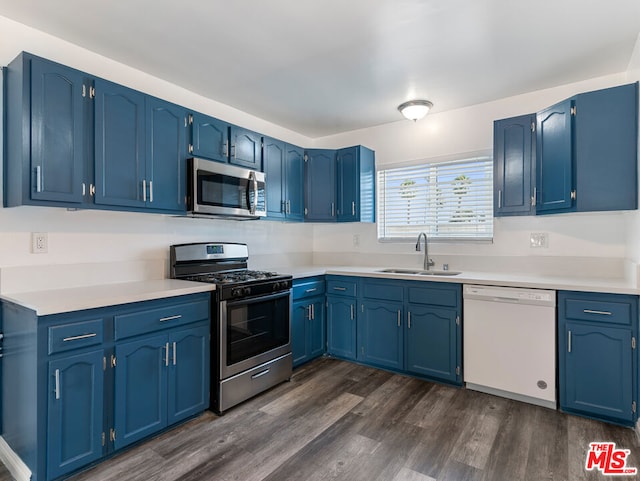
(408, 475)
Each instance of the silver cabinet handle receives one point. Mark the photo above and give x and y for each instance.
(144, 190)
(352, 314)
(309, 311)
(499, 198)
(399, 314)
(84, 189)
(57, 386)
(233, 150)
(602, 313)
(339, 288)
(38, 179)
(409, 320)
(313, 312)
(175, 353)
(534, 199)
(170, 318)
(166, 354)
(569, 342)
(150, 191)
(76, 338)
(225, 149)
(311, 290)
(260, 374)
(333, 209)
(353, 208)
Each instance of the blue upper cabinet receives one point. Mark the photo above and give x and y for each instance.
(606, 149)
(246, 148)
(320, 185)
(45, 132)
(514, 165)
(209, 137)
(356, 184)
(119, 145)
(166, 155)
(284, 166)
(554, 158)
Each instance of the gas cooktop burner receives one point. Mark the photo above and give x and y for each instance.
(233, 277)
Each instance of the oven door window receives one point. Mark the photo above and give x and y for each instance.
(256, 326)
(219, 190)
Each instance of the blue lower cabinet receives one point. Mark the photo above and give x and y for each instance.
(432, 342)
(188, 375)
(299, 317)
(140, 389)
(380, 334)
(75, 412)
(341, 326)
(308, 333)
(317, 328)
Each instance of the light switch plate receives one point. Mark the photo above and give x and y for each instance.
(539, 239)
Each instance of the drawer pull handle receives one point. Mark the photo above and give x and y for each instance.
(170, 318)
(339, 288)
(311, 290)
(591, 311)
(260, 374)
(77, 338)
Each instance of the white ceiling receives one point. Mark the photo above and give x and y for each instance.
(321, 67)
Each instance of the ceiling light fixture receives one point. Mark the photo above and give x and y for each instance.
(415, 109)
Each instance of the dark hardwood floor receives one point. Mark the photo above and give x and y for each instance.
(338, 420)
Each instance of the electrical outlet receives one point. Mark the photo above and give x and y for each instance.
(39, 242)
(356, 240)
(539, 239)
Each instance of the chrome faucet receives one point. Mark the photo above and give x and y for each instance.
(427, 262)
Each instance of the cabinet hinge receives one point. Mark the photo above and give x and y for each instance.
(533, 126)
(457, 320)
(573, 194)
(306, 211)
(190, 119)
(112, 435)
(633, 343)
(306, 158)
(113, 360)
(573, 110)
(633, 406)
(457, 370)
(92, 92)
(191, 148)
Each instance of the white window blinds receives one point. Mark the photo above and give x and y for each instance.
(447, 200)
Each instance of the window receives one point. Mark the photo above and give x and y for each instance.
(446, 200)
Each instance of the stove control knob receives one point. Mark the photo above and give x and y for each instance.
(246, 291)
(236, 292)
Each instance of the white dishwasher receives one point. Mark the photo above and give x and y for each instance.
(509, 343)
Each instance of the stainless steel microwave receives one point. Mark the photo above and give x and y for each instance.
(223, 190)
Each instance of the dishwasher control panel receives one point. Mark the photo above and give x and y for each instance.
(516, 295)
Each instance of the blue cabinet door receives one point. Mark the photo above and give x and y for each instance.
(514, 166)
(57, 132)
(188, 376)
(432, 342)
(596, 370)
(317, 328)
(166, 156)
(380, 334)
(606, 149)
(75, 412)
(554, 158)
(246, 148)
(348, 181)
(274, 168)
(320, 186)
(341, 326)
(300, 314)
(119, 145)
(209, 138)
(140, 388)
(294, 182)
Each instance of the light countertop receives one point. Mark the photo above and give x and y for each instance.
(56, 301)
(587, 284)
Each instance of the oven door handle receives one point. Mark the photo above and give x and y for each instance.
(252, 300)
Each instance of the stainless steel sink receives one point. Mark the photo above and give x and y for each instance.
(420, 272)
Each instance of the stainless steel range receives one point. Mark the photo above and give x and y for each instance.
(250, 333)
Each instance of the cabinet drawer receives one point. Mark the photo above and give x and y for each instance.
(444, 295)
(609, 309)
(308, 288)
(341, 287)
(384, 291)
(140, 322)
(75, 335)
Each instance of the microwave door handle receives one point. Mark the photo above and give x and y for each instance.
(253, 206)
(248, 194)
